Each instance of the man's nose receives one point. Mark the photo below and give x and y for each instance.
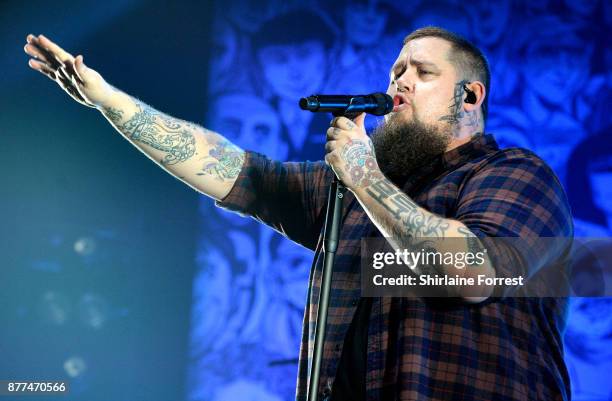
(404, 83)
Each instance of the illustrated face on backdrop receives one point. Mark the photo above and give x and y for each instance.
(555, 70)
(590, 326)
(364, 23)
(601, 185)
(289, 272)
(223, 53)
(294, 71)
(451, 16)
(489, 20)
(249, 122)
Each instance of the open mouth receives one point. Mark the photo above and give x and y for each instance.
(398, 103)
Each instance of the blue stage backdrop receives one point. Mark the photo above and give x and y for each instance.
(551, 65)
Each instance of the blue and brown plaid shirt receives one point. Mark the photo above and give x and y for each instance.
(503, 349)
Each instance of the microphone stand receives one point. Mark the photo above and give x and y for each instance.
(331, 237)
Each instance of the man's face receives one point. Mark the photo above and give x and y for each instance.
(294, 70)
(429, 82)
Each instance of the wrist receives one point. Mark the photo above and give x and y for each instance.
(110, 98)
(362, 181)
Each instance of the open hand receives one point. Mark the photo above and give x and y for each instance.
(82, 83)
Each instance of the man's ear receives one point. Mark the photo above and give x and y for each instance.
(475, 93)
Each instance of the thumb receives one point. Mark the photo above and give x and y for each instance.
(360, 120)
(80, 67)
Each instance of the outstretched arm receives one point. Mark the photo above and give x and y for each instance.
(201, 158)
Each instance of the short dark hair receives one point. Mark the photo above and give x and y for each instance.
(464, 55)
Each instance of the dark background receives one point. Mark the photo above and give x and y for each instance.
(115, 314)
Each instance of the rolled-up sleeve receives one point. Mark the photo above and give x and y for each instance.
(287, 196)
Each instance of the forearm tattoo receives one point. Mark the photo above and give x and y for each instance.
(224, 161)
(173, 137)
(415, 221)
(115, 115)
(473, 243)
(456, 112)
(361, 163)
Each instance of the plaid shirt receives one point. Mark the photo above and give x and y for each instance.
(502, 349)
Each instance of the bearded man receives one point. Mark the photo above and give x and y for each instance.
(429, 171)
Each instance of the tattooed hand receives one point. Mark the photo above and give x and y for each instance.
(350, 153)
(82, 83)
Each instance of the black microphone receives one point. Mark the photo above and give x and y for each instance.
(378, 104)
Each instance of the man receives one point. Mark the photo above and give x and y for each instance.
(434, 175)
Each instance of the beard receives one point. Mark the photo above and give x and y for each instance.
(402, 147)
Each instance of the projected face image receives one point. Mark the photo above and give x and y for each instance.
(294, 71)
(452, 17)
(224, 48)
(364, 23)
(556, 70)
(224, 52)
(249, 122)
(290, 271)
(212, 287)
(591, 325)
(601, 185)
(286, 283)
(490, 19)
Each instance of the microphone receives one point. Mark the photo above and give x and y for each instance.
(378, 104)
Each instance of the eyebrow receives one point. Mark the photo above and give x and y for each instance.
(423, 63)
(417, 63)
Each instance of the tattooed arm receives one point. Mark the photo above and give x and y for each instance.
(407, 225)
(201, 158)
(402, 221)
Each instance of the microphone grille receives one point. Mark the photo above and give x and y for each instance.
(384, 102)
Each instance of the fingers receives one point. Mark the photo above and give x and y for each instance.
(33, 51)
(56, 63)
(43, 68)
(59, 53)
(333, 133)
(343, 123)
(70, 70)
